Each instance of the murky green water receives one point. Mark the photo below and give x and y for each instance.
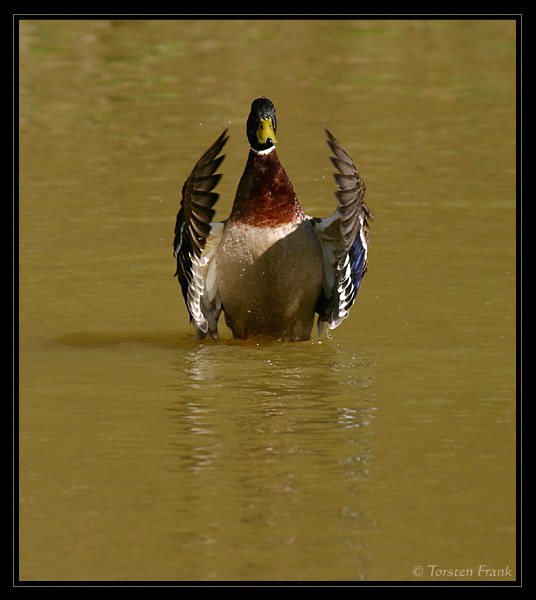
(148, 455)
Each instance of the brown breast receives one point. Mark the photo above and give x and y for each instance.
(265, 196)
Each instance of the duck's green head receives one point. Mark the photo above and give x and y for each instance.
(261, 125)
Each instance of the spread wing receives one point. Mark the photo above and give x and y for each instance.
(344, 238)
(196, 241)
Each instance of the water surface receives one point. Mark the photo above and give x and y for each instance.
(148, 455)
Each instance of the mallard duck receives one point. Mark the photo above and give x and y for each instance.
(269, 266)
